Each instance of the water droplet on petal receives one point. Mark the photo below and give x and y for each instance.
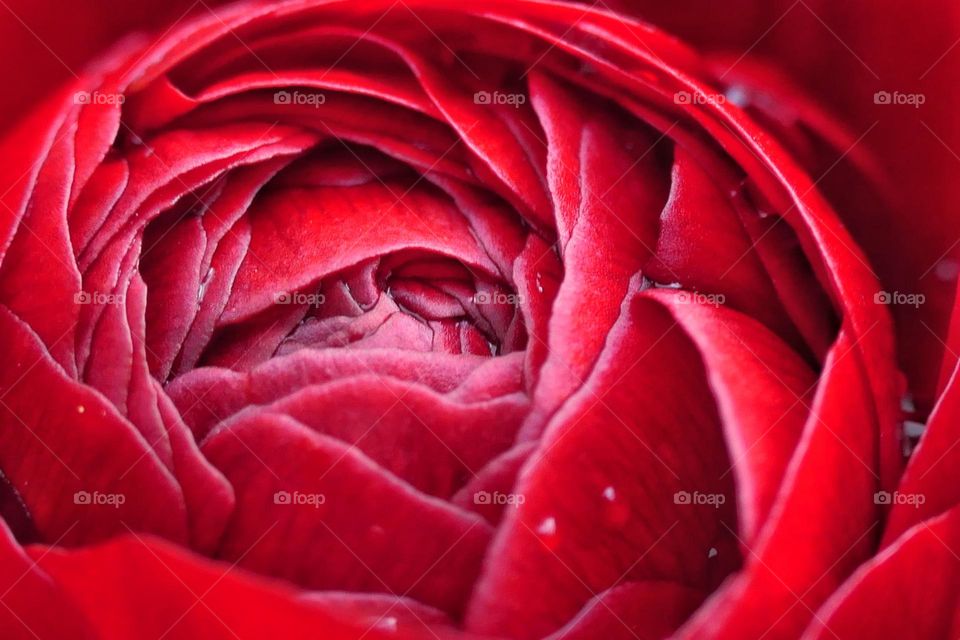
(539, 282)
(947, 269)
(387, 624)
(913, 429)
(548, 527)
(738, 96)
(616, 512)
(907, 404)
(202, 291)
(712, 553)
(547, 533)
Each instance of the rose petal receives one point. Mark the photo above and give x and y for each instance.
(607, 476)
(352, 540)
(77, 442)
(156, 589)
(609, 191)
(409, 430)
(909, 590)
(823, 524)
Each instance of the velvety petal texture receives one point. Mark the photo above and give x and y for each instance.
(504, 319)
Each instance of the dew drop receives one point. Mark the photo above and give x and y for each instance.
(913, 429)
(616, 512)
(81, 408)
(947, 269)
(737, 96)
(548, 527)
(539, 282)
(388, 624)
(547, 532)
(712, 553)
(202, 291)
(907, 404)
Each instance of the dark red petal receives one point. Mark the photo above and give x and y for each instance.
(929, 485)
(909, 590)
(416, 434)
(76, 442)
(155, 589)
(171, 261)
(761, 389)
(609, 189)
(498, 477)
(330, 229)
(118, 368)
(600, 500)
(641, 610)
(703, 246)
(39, 279)
(33, 605)
(208, 395)
(351, 538)
(823, 524)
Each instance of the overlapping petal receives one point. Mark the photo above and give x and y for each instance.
(495, 315)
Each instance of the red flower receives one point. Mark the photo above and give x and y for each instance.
(504, 319)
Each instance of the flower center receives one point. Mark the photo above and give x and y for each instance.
(344, 248)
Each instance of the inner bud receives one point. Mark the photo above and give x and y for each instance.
(345, 247)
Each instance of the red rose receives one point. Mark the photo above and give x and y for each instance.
(507, 319)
